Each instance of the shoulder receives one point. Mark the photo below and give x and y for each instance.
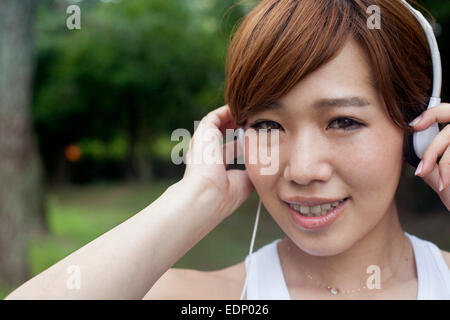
(446, 256)
(190, 284)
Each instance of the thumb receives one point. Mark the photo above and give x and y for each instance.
(240, 186)
(432, 179)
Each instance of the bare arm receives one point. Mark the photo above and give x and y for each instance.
(126, 261)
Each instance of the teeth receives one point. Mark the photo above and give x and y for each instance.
(315, 211)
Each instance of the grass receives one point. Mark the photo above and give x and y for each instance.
(79, 214)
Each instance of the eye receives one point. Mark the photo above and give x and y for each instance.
(348, 124)
(266, 125)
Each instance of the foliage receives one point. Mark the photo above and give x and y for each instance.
(137, 69)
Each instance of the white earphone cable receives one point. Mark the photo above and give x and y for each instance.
(251, 250)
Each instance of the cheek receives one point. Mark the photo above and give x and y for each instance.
(370, 165)
(376, 161)
(263, 183)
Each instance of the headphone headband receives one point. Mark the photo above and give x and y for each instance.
(435, 54)
(417, 143)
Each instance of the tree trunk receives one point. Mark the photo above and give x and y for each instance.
(21, 175)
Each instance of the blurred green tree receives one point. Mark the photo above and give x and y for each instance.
(137, 69)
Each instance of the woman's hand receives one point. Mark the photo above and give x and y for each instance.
(206, 161)
(437, 176)
(137, 252)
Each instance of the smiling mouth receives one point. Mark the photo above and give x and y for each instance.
(316, 211)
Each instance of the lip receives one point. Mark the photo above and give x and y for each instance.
(316, 223)
(310, 202)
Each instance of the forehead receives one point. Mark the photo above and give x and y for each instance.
(346, 80)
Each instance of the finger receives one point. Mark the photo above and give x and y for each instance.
(220, 118)
(231, 151)
(209, 136)
(432, 179)
(435, 149)
(444, 168)
(439, 114)
(205, 147)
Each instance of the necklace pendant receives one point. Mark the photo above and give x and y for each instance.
(334, 291)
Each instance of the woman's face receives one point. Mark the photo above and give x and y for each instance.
(322, 155)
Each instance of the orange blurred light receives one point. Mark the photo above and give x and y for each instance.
(72, 153)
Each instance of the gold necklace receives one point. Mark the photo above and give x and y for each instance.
(335, 290)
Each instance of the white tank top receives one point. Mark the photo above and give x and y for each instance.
(266, 280)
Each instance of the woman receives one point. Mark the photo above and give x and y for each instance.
(340, 96)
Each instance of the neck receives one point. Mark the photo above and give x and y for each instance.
(385, 246)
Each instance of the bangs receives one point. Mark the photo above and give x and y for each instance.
(282, 41)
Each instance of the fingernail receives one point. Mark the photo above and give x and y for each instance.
(419, 168)
(441, 186)
(415, 121)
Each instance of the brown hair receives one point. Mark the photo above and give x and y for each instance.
(281, 41)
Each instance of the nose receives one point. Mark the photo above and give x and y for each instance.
(308, 159)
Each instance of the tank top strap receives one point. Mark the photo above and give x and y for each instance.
(433, 273)
(265, 277)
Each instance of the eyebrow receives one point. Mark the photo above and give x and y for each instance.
(330, 103)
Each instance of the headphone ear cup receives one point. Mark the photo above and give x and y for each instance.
(408, 150)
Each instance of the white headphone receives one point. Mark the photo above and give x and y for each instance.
(419, 139)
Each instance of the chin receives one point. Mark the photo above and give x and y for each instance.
(327, 242)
